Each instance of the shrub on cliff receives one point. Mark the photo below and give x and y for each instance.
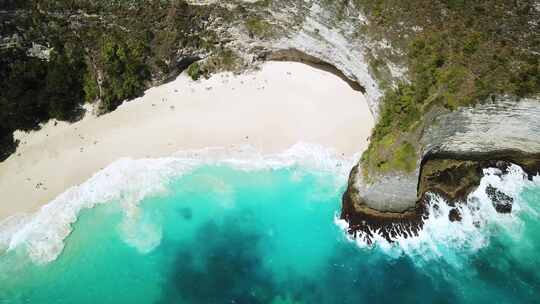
(125, 71)
(34, 90)
(64, 84)
(194, 71)
(457, 53)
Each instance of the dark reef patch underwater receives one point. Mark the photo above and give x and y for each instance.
(221, 234)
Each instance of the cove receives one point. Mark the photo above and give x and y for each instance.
(219, 234)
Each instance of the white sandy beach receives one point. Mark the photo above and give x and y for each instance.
(272, 109)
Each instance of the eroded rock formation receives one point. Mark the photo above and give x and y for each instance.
(366, 44)
(456, 147)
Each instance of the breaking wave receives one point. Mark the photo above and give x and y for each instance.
(441, 238)
(128, 181)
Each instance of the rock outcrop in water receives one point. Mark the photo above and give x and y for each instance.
(424, 66)
(501, 201)
(379, 215)
(456, 147)
(459, 112)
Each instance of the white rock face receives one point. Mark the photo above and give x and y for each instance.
(506, 124)
(40, 51)
(318, 38)
(316, 31)
(391, 193)
(313, 27)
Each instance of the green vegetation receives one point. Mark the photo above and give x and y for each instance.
(63, 89)
(258, 27)
(21, 83)
(223, 60)
(35, 90)
(124, 44)
(194, 71)
(390, 154)
(404, 159)
(124, 70)
(457, 52)
(90, 87)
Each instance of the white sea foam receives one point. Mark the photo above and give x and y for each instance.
(442, 238)
(129, 181)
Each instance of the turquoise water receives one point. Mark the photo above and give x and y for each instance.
(223, 235)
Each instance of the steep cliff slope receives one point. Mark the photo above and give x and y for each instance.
(445, 79)
(471, 97)
(111, 51)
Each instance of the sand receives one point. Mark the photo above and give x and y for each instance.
(271, 109)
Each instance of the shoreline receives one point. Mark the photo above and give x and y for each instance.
(128, 182)
(271, 109)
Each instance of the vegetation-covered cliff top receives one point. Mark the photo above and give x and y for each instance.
(57, 55)
(457, 53)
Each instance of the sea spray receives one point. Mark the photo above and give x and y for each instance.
(219, 233)
(442, 238)
(128, 181)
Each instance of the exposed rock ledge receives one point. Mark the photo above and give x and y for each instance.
(455, 147)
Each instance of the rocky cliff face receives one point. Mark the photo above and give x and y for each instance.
(423, 66)
(462, 108)
(313, 32)
(502, 124)
(121, 48)
(455, 147)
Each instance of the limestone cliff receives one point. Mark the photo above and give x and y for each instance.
(112, 51)
(453, 85)
(454, 148)
(470, 101)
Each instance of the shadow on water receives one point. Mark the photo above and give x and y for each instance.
(186, 213)
(515, 280)
(265, 240)
(222, 266)
(359, 277)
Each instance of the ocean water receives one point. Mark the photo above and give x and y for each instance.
(235, 232)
